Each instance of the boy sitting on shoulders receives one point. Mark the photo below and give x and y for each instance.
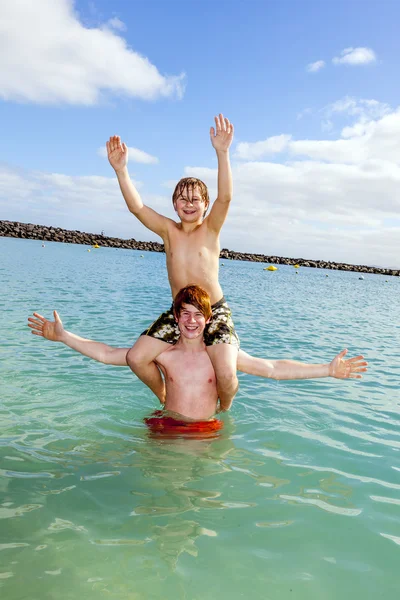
(192, 251)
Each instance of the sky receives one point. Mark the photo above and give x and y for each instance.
(311, 87)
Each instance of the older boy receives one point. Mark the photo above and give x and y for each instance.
(192, 250)
(191, 388)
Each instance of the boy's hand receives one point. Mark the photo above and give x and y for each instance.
(51, 330)
(117, 153)
(222, 135)
(349, 368)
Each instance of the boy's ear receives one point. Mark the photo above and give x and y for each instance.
(175, 316)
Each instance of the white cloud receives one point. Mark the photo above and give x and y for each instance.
(362, 108)
(49, 57)
(355, 56)
(134, 154)
(253, 151)
(116, 24)
(345, 109)
(315, 66)
(374, 140)
(326, 125)
(368, 139)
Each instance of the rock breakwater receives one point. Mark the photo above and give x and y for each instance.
(56, 234)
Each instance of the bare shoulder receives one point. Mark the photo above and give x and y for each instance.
(209, 226)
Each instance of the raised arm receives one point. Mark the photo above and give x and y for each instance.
(54, 331)
(221, 139)
(340, 368)
(117, 153)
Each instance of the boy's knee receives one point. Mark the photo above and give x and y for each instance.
(135, 359)
(227, 380)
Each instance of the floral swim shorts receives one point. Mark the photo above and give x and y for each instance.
(220, 330)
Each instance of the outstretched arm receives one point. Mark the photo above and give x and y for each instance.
(54, 331)
(117, 153)
(221, 139)
(340, 368)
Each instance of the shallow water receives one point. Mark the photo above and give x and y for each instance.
(299, 497)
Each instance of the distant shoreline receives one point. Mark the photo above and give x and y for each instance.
(56, 234)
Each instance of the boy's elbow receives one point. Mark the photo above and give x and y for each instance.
(273, 373)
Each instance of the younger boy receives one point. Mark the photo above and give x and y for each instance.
(191, 388)
(192, 251)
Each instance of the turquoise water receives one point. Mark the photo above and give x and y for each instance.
(298, 498)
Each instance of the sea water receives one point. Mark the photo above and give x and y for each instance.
(299, 497)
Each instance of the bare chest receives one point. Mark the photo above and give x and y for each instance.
(198, 246)
(183, 369)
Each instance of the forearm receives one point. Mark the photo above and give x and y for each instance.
(279, 369)
(291, 369)
(129, 192)
(96, 350)
(225, 185)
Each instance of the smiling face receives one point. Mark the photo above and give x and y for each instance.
(191, 321)
(191, 200)
(190, 205)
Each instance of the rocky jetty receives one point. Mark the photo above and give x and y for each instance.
(56, 234)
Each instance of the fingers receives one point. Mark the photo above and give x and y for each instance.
(35, 314)
(228, 126)
(114, 143)
(222, 125)
(35, 327)
(37, 333)
(212, 132)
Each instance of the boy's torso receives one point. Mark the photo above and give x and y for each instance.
(193, 258)
(190, 382)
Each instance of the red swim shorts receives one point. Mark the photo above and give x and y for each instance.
(161, 424)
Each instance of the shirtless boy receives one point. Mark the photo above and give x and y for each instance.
(192, 251)
(191, 388)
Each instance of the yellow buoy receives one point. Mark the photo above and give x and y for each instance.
(96, 246)
(270, 268)
(297, 266)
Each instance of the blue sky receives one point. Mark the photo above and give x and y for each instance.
(312, 88)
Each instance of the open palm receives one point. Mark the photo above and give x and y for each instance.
(51, 330)
(117, 153)
(348, 368)
(222, 135)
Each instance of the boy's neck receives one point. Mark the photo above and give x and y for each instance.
(194, 345)
(189, 227)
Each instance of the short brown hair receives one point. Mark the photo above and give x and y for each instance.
(190, 183)
(196, 296)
